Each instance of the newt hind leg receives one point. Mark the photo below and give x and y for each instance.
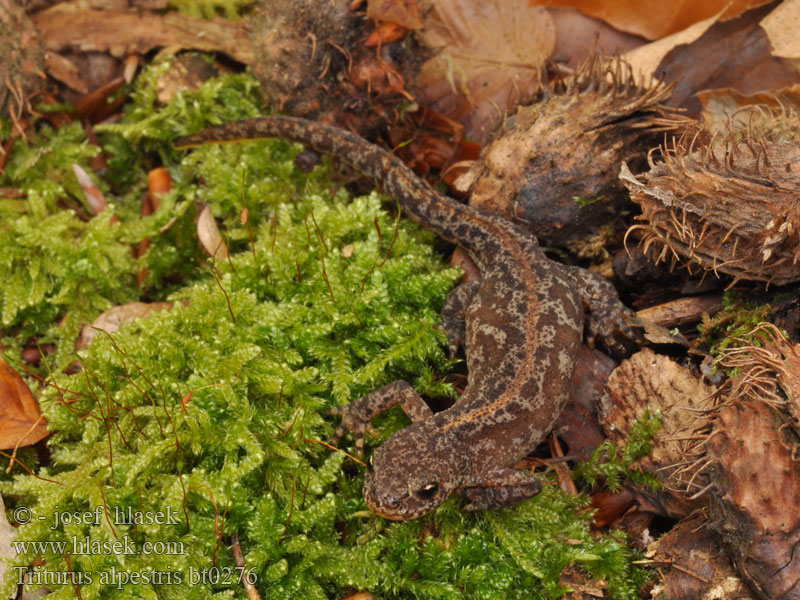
(608, 321)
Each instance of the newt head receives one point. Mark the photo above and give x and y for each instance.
(413, 472)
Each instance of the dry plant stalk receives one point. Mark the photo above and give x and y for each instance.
(726, 204)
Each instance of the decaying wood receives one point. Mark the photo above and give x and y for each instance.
(693, 566)
(682, 311)
(121, 33)
(577, 425)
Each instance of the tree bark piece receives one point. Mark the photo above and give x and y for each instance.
(22, 62)
(64, 27)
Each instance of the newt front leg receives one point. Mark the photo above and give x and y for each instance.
(357, 415)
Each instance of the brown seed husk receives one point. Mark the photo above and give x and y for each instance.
(728, 205)
(755, 501)
(649, 381)
(552, 166)
(769, 373)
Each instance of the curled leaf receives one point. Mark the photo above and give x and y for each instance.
(490, 57)
(21, 420)
(209, 235)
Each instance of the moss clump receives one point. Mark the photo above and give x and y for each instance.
(208, 413)
(731, 327)
(614, 465)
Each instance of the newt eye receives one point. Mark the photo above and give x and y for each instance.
(428, 491)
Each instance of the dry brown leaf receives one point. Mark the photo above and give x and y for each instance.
(755, 491)
(735, 53)
(577, 34)
(115, 317)
(490, 54)
(66, 26)
(94, 197)
(781, 27)
(402, 12)
(209, 235)
(21, 421)
(645, 59)
(67, 72)
(720, 104)
(655, 20)
(577, 424)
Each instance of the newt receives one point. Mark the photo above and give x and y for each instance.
(520, 326)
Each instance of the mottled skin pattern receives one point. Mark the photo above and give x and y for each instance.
(521, 329)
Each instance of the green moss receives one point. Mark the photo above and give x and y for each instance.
(613, 465)
(333, 298)
(731, 327)
(230, 9)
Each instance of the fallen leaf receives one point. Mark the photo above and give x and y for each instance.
(577, 34)
(64, 70)
(645, 59)
(131, 66)
(735, 54)
(21, 421)
(94, 197)
(655, 20)
(755, 489)
(721, 104)
(402, 12)
(781, 27)
(115, 317)
(489, 58)
(577, 425)
(96, 105)
(159, 183)
(209, 235)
